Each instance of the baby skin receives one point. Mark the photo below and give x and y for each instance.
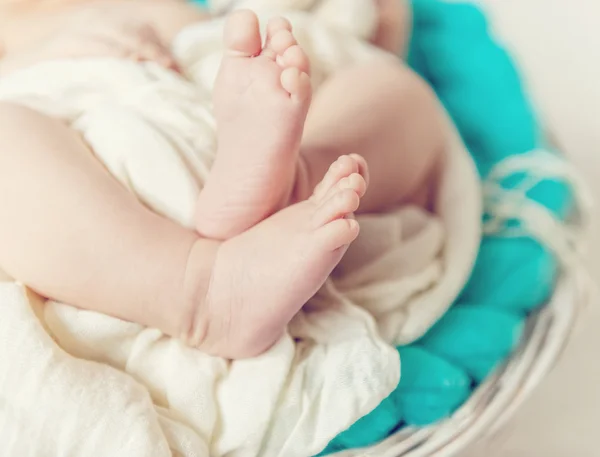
(259, 89)
(275, 216)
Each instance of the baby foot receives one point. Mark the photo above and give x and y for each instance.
(261, 99)
(263, 277)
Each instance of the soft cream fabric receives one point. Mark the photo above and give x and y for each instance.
(76, 383)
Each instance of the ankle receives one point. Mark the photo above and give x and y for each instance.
(195, 319)
(302, 188)
(208, 316)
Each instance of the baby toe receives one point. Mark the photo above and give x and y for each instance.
(275, 25)
(281, 41)
(339, 205)
(242, 34)
(295, 56)
(353, 182)
(363, 167)
(343, 167)
(297, 84)
(337, 234)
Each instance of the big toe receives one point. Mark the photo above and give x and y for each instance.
(242, 34)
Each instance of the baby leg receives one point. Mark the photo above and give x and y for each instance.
(72, 233)
(387, 114)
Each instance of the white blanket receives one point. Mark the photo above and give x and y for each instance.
(76, 383)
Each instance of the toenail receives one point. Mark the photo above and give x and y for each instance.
(344, 197)
(353, 224)
(280, 23)
(355, 179)
(345, 165)
(345, 183)
(294, 51)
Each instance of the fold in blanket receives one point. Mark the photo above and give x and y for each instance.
(85, 384)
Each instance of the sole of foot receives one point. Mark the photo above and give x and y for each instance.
(261, 100)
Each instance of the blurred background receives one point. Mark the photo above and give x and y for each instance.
(557, 45)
